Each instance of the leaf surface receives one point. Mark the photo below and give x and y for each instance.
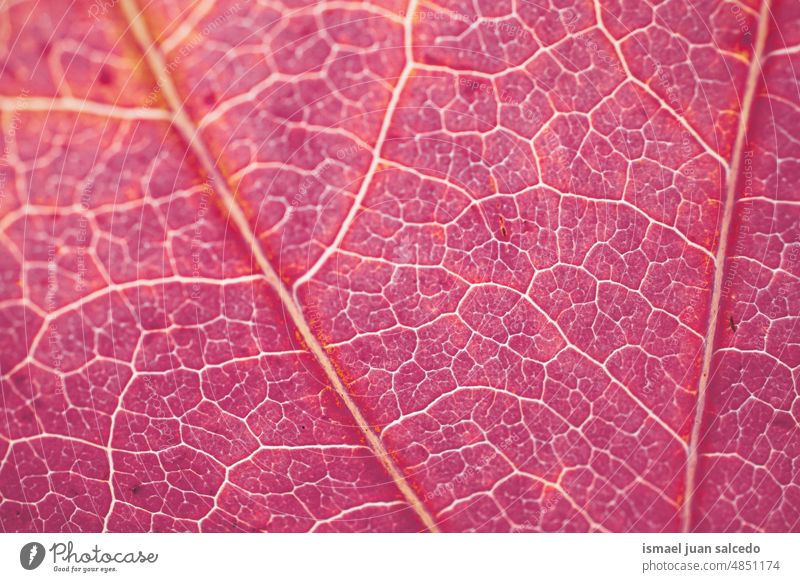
(342, 266)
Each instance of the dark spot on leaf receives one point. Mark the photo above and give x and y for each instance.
(733, 325)
(503, 229)
(105, 76)
(210, 98)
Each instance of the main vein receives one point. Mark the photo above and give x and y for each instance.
(188, 130)
(728, 204)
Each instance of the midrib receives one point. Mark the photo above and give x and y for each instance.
(752, 83)
(189, 132)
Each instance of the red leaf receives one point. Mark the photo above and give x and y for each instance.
(397, 268)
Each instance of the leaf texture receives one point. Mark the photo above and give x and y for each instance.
(388, 266)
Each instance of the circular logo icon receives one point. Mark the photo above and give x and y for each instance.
(31, 555)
